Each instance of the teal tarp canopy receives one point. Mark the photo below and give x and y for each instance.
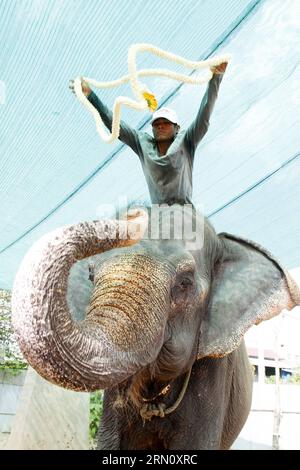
(55, 170)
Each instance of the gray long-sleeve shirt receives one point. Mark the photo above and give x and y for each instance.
(169, 176)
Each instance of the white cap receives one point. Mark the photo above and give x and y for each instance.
(166, 113)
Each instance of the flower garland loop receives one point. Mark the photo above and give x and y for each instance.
(144, 97)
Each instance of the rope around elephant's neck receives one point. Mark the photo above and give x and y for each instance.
(144, 97)
(149, 409)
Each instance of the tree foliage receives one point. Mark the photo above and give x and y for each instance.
(11, 357)
(96, 408)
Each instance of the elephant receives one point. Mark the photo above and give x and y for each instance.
(163, 325)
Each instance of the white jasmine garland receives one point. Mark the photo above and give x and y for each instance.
(144, 97)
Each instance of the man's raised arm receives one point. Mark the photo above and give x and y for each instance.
(196, 131)
(128, 135)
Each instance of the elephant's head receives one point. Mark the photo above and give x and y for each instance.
(155, 307)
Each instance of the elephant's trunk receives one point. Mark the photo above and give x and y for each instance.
(77, 355)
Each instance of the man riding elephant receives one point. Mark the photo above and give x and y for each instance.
(167, 158)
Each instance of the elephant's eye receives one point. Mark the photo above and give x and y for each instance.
(181, 291)
(186, 282)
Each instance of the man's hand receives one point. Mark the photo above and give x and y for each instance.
(219, 69)
(86, 90)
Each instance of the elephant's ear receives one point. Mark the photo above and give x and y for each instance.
(248, 286)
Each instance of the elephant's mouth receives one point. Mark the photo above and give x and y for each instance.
(142, 387)
(152, 397)
(162, 380)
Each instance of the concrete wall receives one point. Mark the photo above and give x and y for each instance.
(10, 391)
(258, 430)
(42, 416)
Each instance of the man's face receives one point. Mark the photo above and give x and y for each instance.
(163, 130)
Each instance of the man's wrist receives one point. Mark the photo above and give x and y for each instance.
(90, 95)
